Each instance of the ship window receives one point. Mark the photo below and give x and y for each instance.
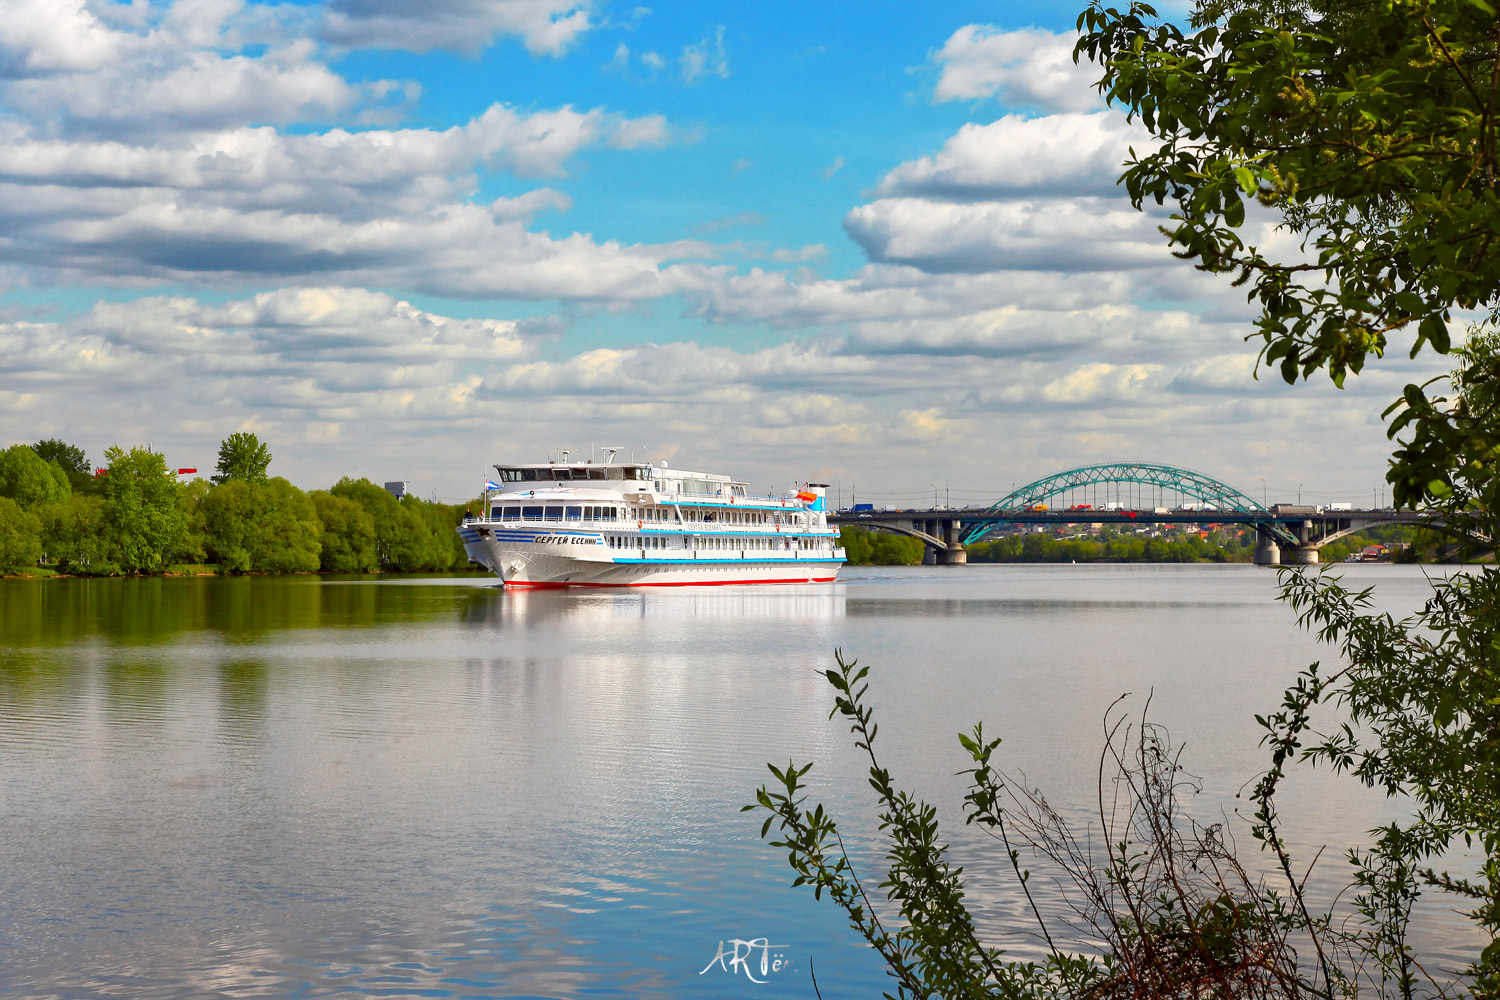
(596, 473)
(575, 512)
(614, 472)
(530, 475)
(554, 512)
(509, 475)
(531, 513)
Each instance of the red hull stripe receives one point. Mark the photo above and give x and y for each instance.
(673, 583)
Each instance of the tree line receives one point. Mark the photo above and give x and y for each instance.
(136, 517)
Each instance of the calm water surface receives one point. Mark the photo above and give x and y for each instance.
(434, 788)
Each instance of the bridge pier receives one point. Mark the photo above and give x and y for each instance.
(1267, 552)
(955, 554)
(950, 531)
(1303, 555)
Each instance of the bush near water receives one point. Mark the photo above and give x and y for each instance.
(139, 518)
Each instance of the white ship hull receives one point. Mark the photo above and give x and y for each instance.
(581, 559)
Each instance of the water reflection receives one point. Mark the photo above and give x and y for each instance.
(153, 611)
(294, 786)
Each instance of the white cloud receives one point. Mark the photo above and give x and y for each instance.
(833, 168)
(707, 58)
(1077, 234)
(180, 66)
(620, 61)
(38, 37)
(1066, 154)
(1029, 68)
(337, 204)
(548, 27)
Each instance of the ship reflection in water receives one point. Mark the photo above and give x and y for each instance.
(797, 603)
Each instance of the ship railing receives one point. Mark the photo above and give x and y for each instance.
(684, 527)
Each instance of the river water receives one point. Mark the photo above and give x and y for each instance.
(297, 787)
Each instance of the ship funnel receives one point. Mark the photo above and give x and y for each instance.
(819, 494)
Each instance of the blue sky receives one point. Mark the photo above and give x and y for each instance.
(875, 244)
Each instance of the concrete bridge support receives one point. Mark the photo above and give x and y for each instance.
(952, 552)
(1267, 552)
(955, 554)
(1304, 553)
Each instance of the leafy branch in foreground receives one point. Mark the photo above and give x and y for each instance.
(1422, 696)
(1167, 910)
(1366, 132)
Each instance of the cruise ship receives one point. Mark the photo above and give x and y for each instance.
(586, 524)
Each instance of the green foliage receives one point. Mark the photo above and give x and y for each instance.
(408, 538)
(879, 548)
(20, 536)
(75, 537)
(1453, 451)
(1171, 911)
(1039, 547)
(1365, 131)
(348, 536)
(29, 479)
(242, 457)
(142, 509)
(72, 460)
(268, 526)
(193, 549)
(1423, 698)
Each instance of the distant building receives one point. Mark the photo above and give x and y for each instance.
(398, 489)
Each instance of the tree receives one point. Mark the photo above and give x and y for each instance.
(263, 527)
(348, 535)
(404, 540)
(20, 542)
(71, 458)
(29, 479)
(1368, 131)
(879, 548)
(75, 537)
(242, 456)
(144, 519)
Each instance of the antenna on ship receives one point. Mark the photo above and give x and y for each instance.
(612, 453)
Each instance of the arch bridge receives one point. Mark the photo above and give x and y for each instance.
(1126, 492)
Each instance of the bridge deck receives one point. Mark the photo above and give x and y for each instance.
(983, 516)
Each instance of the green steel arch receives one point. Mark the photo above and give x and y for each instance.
(1165, 478)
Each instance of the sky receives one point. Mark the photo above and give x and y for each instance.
(874, 244)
